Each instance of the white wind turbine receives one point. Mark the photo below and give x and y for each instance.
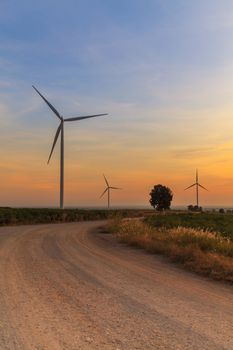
(107, 189)
(60, 130)
(197, 187)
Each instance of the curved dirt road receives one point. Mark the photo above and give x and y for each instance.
(66, 287)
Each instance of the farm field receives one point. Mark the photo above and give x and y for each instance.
(220, 223)
(18, 216)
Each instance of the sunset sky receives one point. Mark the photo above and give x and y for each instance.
(162, 69)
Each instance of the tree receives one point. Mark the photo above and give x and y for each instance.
(194, 208)
(190, 207)
(161, 197)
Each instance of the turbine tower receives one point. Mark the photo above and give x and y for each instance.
(107, 189)
(60, 130)
(197, 187)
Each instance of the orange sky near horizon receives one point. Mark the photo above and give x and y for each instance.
(27, 180)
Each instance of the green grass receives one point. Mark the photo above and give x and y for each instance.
(18, 216)
(221, 223)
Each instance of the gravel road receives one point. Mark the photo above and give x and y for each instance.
(68, 286)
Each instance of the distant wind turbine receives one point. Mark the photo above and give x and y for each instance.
(60, 130)
(107, 189)
(197, 187)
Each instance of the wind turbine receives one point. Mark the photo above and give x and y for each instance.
(197, 187)
(107, 189)
(60, 130)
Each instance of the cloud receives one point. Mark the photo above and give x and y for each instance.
(197, 152)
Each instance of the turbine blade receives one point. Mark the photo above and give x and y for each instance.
(189, 187)
(116, 188)
(202, 187)
(55, 141)
(84, 117)
(106, 181)
(48, 103)
(104, 192)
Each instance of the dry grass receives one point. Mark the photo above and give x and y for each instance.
(204, 252)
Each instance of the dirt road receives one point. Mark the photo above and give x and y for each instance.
(66, 287)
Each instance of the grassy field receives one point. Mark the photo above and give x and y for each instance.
(187, 239)
(221, 223)
(17, 216)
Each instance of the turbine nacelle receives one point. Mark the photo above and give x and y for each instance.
(107, 189)
(62, 119)
(59, 131)
(197, 184)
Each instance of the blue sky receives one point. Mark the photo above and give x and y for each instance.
(161, 68)
(106, 47)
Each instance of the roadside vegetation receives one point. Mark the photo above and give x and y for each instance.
(18, 216)
(216, 222)
(197, 248)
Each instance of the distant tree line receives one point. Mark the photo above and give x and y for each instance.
(194, 208)
(161, 197)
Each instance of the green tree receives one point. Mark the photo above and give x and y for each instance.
(161, 197)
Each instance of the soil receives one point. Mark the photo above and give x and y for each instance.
(71, 286)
